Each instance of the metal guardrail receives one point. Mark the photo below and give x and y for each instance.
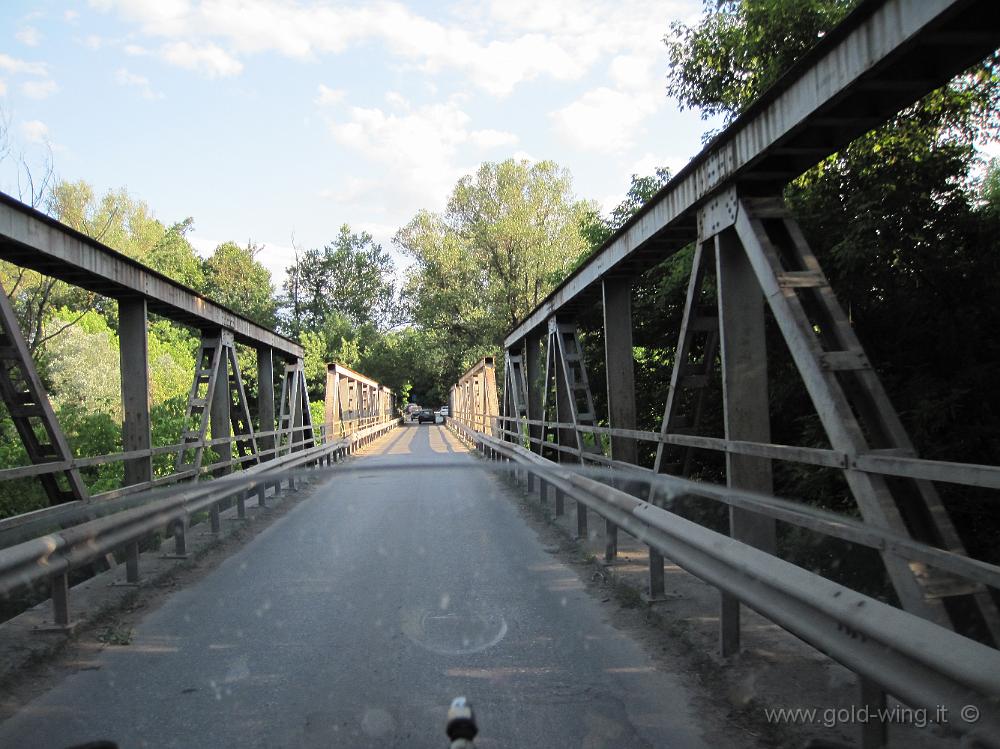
(965, 474)
(920, 663)
(791, 512)
(53, 555)
(348, 428)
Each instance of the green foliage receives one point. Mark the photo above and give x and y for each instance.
(741, 47)
(234, 279)
(350, 279)
(171, 360)
(174, 256)
(79, 361)
(989, 192)
(509, 232)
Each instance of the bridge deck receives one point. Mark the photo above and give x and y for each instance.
(357, 617)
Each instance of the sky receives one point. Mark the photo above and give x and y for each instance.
(277, 121)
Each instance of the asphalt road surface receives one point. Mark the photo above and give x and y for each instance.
(354, 620)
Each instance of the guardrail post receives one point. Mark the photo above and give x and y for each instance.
(262, 494)
(60, 600)
(874, 732)
(745, 405)
(241, 504)
(560, 502)
(581, 520)
(215, 519)
(180, 537)
(132, 562)
(134, 358)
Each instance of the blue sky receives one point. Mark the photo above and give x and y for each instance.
(268, 120)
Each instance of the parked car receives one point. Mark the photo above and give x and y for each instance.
(426, 415)
(444, 410)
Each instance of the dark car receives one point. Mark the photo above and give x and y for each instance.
(426, 415)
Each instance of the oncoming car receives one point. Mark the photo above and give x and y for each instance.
(426, 415)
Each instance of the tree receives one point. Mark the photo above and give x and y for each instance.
(352, 277)
(174, 256)
(235, 279)
(508, 231)
(740, 47)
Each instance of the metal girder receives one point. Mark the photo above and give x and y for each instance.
(475, 398)
(24, 396)
(217, 391)
(294, 416)
(345, 399)
(515, 393)
(31, 239)
(819, 106)
(854, 409)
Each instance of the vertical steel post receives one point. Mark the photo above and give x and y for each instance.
(534, 377)
(220, 404)
(620, 367)
(265, 400)
(745, 404)
(136, 434)
(564, 414)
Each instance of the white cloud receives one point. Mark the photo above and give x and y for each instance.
(70, 15)
(3, 87)
(423, 151)
(39, 89)
(605, 119)
(355, 190)
(93, 42)
(15, 66)
(397, 100)
(29, 35)
(124, 77)
(208, 59)
(327, 96)
(492, 138)
(135, 50)
(35, 131)
(497, 47)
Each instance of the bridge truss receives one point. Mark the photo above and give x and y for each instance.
(750, 256)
